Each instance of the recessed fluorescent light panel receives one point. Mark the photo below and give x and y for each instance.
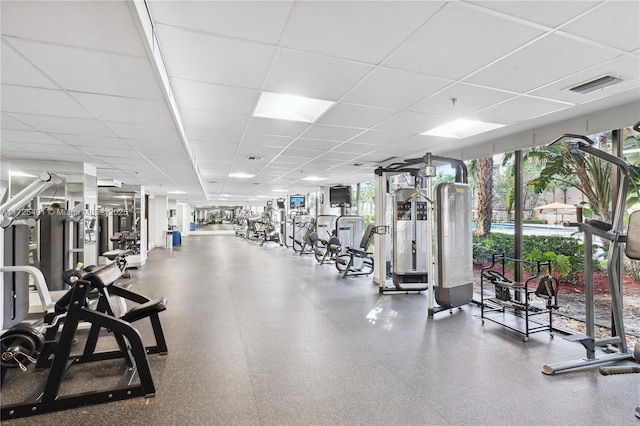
(462, 128)
(176, 192)
(289, 107)
(280, 190)
(241, 175)
(314, 178)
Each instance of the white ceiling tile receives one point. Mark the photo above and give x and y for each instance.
(215, 147)
(614, 24)
(144, 131)
(322, 145)
(93, 141)
(625, 67)
(352, 115)
(126, 162)
(50, 148)
(376, 137)
(549, 13)
(71, 126)
(394, 88)
(115, 108)
(548, 59)
(356, 148)
(212, 120)
(31, 100)
(314, 76)
(259, 151)
(213, 135)
(273, 127)
(19, 71)
(266, 140)
(91, 71)
(251, 20)
(213, 97)
(227, 61)
(409, 122)
(107, 26)
(300, 152)
(13, 123)
(68, 156)
(518, 109)
(363, 31)
(105, 150)
(333, 158)
(469, 99)
(26, 136)
(458, 41)
(422, 144)
(332, 133)
(14, 151)
(151, 149)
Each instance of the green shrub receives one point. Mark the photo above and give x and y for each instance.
(564, 252)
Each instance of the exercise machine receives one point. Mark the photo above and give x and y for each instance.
(325, 231)
(356, 260)
(613, 233)
(431, 241)
(53, 350)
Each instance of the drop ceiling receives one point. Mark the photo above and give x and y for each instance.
(80, 83)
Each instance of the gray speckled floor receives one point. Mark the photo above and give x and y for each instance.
(258, 335)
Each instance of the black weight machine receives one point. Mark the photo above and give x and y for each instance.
(25, 344)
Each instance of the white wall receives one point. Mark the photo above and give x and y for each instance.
(183, 217)
(158, 221)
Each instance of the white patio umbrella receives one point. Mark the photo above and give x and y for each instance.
(559, 208)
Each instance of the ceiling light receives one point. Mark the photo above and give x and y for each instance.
(21, 174)
(462, 128)
(226, 195)
(314, 178)
(289, 107)
(176, 192)
(280, 190)
(241, 175)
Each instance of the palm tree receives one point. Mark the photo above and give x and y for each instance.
(484, 175)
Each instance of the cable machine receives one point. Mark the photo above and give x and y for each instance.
(412, 258)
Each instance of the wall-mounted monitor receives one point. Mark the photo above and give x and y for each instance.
(297, 201)
(340, 196)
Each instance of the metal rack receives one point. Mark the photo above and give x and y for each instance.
(514, 298)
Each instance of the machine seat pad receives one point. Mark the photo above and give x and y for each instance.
(104, 276)
(146, 309)
(114, 254)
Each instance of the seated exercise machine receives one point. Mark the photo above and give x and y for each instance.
(616, 345)
(303, 226)
(24, 344)
(357, 260)
(324, 234)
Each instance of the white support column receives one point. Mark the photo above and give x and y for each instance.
(380, 240)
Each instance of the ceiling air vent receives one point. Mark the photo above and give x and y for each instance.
(596, 84)
(254, 158)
